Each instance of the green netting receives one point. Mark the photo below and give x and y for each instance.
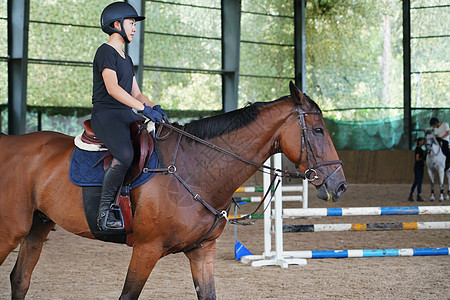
(384, 133)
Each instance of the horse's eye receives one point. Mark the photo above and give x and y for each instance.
(318, 130)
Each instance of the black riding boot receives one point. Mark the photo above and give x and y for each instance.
(111, 183)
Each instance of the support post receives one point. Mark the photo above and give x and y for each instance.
(135, 49)
(407, 72)
(277, 258)
(300, 44)
(231, 32)
(267, 213)
(18, 17)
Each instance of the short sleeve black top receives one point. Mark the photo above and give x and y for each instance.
(107, 57)
(419, 163)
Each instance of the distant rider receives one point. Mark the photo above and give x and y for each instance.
(441, 131)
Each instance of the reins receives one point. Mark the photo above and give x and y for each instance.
(236, 221)
(227, 152)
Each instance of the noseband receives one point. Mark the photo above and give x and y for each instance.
(311, 172)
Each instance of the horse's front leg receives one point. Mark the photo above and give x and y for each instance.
(441, 185)
(202, 268)
(431, 175)
(142, 262)
(447, 197)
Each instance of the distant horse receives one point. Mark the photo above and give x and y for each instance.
(436, 163)
(169, 215)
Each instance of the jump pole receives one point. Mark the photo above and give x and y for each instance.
(367, 226)
(361, 253)
(365, 211)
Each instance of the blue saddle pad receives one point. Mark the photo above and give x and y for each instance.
(83, 173)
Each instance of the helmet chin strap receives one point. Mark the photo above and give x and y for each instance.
(122, 32)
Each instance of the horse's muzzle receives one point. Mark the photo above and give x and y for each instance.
(329, 194)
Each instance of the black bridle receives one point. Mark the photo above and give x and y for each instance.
(311, 173)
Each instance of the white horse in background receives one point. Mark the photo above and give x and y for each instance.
(436, 163)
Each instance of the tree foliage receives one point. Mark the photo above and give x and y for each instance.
(345, 43)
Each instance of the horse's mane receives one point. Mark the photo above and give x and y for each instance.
(218, 125)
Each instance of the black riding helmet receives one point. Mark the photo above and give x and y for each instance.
(118, 11)
(434, 121)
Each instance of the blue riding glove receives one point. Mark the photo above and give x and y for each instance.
(152, 114)
(159, 109)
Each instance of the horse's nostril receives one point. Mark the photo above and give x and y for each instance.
(342, 188)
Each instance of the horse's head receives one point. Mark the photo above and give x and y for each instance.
(430, 140)
(305, 141)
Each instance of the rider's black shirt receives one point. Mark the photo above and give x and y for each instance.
(107, 57)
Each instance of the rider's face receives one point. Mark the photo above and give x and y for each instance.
(129, 25)
(130, 28)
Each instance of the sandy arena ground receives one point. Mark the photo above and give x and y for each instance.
(72, 267)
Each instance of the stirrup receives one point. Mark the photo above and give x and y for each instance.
(103, 220)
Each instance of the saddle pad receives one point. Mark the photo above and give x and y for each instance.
(83, 173)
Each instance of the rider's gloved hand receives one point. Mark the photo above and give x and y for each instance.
(151, 113)
(159, 109)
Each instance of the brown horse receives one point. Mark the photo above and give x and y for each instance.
(36, 192)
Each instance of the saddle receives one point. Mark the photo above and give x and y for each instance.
(143, 146)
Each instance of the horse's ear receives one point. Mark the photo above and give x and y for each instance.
(296, 94)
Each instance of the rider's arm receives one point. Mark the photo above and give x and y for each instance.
(136, 93)
(116, 91)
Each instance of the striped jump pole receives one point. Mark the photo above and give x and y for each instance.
(260, 189)
(258, 199)
(367, 226)
(368, 253)
(238, 216)
(365, 211)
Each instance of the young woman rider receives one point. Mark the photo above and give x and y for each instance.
(115, 93)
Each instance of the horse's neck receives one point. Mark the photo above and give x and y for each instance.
(254, 142)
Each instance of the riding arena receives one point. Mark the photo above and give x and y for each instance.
(224, 149)
(70, 267)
